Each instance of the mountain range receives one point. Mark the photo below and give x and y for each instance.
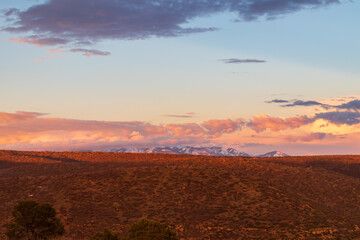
(206, 151)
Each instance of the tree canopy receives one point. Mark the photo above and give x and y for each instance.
(146, 229)
(34, 221)
(106, 235)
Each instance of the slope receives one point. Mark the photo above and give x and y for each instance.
(202, 197)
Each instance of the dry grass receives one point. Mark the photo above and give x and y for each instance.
(202, 197)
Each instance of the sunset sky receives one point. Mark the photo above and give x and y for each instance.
(257, 75)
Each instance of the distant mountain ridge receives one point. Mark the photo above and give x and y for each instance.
(206, 151)
(273, 154)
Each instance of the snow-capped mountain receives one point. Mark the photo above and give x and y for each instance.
(273, 154)
(206, 151)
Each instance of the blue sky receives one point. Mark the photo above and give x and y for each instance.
(310, 54)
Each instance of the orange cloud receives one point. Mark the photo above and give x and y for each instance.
(55, 51)
(6, 118)
(39, 59)
(217, 127)
(31, 129)
(34, 131)
(186, 130)
(40, 41)
(262, 122)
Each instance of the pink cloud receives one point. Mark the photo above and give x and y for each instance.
(186, 130)
(55, 51)
(31, 129)
(39, 59)
(262, 122)
(217, 127)
(34, 131)
(40, 41)
(6, 118)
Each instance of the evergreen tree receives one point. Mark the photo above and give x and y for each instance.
(34, 221)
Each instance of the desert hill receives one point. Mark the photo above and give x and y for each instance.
(203, 197)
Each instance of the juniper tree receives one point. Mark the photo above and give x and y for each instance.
(34, 221)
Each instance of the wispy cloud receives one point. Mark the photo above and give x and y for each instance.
(296, 102)
(277, 101)
(11, 11)
(178, 116)
(237, 60)
(39, 59)
(186, 115)
(251, 145)
(303, 103)
(40, 41)
(351, 105)
(90, 52)
(314, 136)
(55, 51)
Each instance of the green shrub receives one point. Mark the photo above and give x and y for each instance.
(34, 221)
(106, 235)
(145, 229)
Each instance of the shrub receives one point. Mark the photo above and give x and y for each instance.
(34, 221)
(145, 229)
(106, 235)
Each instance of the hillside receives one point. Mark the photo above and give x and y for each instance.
(203, 197)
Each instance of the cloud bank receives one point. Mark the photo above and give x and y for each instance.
(36, 131)
(89, 21)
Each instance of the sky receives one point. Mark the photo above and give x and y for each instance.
(258, 75)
